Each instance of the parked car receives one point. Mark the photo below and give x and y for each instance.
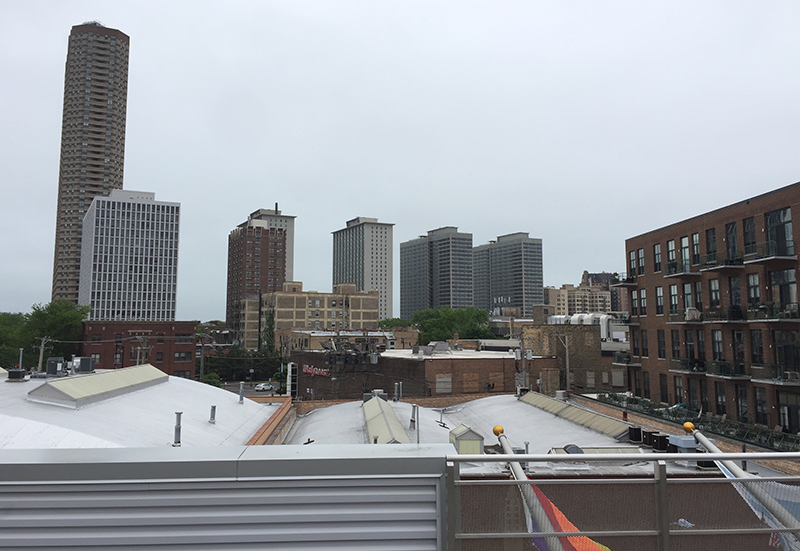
(264, 387)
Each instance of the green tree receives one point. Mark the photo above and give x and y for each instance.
(212, 379)
(12, 338)
(391, 323)
(61, 321)
(440, 324)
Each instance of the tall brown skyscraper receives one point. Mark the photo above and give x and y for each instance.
(92, 139)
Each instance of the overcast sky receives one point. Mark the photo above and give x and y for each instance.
(582, 123)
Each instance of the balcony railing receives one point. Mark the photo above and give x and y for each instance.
(773, 372)
(677, 268)
(726, 369)
(771, 249)
(622, 358)
(720, 425)
(688, 315)
(688, 365)
(721, 261)
(772, 311)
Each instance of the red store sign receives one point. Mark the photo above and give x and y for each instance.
(311, 370)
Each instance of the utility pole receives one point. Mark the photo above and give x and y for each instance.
(41, 347)
(202, 355)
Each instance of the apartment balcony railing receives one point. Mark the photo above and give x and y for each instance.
(688, 315)
(773, 372)
(622, 358)
(680, 268)
(687, 365)
(769, 250)
(772, 311)
(721, 261)
(759, 435)
(724, 368)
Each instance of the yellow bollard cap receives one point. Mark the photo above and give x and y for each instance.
(497, 430)
(688, 427)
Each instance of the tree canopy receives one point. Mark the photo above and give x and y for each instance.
(440, 324)
(61, 321)
(391, 323)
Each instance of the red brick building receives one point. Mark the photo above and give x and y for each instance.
(168, 345)
(714, 312)
(321, 375)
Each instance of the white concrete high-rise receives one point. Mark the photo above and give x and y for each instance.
(362, 254)
(129, 257)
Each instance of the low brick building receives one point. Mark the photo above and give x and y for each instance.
(423, 372)
(168, 345)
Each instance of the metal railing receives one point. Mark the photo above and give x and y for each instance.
(624, 512)
(769, 249)
(727, 369)
(758, 435)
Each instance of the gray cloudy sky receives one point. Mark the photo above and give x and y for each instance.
(582, 123)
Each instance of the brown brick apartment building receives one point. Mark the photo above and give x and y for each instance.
(169, 345)
(714, 313)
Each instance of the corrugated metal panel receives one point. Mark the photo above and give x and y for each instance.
(383, 426)
(85, 389)
(589, 419)
(397, 505)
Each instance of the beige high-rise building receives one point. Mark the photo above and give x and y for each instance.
(92, 140)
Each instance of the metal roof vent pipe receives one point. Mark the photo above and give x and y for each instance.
(213, 418)
(177, 442)
(241, 392)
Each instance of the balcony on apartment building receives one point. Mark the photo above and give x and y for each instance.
(681, 269)
(687, 365)
(625, 358)
(684, 315)
(727, 370)
(730, 261)
(629, 281)
(776, 252)
(781, 374)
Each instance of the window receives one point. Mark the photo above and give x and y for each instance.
(183, 338)
(671, 265)
(96, 360)
(632, 264)
(761, 406)
(678, 389)
(716, 345)
(117, 358)
(756, 347)
(641, 261)
(676, 343)
(634, 303)
(701, 345)
(749, 225)
(118, 339)
(183, 357)
(695, 248)
(645, 348)
(657, 257)
(646, 377)
(732, 246)
(713, 293)
(664, 389)
(659, 300)
(741, 391)
(736, 290)
(635, 335)
(698, 295)
(779, 232)
(719, 390)
(784, 287)
(159, 357)
(711, 244)
(643, 302)
(685, 258)
(662, 344)
(95, 339)
(753, 290)
(687, 295)
(673, 299)
(688, 336)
